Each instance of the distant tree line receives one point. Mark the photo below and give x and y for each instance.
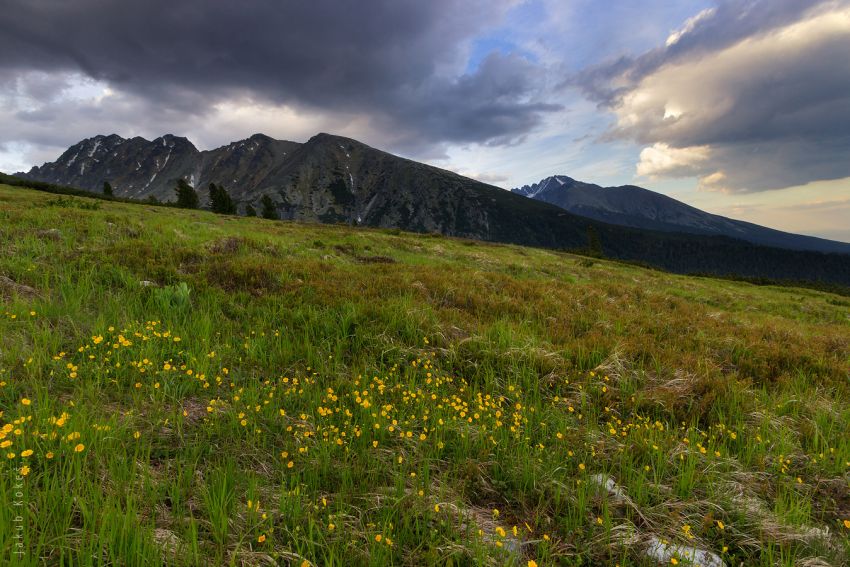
(187, 196)
(58, 189)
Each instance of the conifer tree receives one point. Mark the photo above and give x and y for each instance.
(187, 197)
(269, 208)
(594, 245)
(107, 189)
(220, 200)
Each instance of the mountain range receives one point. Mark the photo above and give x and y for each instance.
(629, 205)
(333, 179)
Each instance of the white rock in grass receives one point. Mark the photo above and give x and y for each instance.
(664, 552)
(606, 482)
(146, 283)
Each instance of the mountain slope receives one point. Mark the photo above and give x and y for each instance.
(637, 207)
(333, 179)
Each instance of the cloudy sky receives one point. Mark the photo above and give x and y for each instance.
(739, 107)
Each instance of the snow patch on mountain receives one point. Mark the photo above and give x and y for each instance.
(94, 147)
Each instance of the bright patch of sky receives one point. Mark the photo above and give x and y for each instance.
(27, 96)
(820, 208)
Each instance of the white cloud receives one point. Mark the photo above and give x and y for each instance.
(714, 182)
(690, 25)
(767, 111)
(662, 160)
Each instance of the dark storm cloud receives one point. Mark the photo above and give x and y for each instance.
(393, 61)
(758, 89)
(482, 106)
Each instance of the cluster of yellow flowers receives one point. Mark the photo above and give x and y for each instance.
(404, 416)
(14, 432)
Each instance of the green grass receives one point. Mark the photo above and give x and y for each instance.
(308, 394)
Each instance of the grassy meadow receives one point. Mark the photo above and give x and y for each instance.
(184, 388)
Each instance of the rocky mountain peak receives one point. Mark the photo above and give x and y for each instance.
(172, 141)
(546, 184)
(261, 138)
(331, 139)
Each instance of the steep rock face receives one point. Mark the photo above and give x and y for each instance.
(138, 168)
(334, 179)
(637, 207)
(241, 166)
(134, 167)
